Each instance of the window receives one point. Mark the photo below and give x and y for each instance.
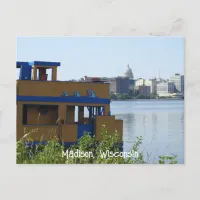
(40, 114)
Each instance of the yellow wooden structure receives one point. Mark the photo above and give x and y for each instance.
(47, 108)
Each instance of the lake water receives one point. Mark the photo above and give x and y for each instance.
(159, 122)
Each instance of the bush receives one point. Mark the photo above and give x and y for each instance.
(55, 153)
(140, 96)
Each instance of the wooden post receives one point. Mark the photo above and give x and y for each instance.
(34, 72)
(106, 109)
(54, 73)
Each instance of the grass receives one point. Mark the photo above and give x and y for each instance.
(54, 151)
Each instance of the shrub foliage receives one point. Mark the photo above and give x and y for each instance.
(54, 152)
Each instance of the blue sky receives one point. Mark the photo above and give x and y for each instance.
(106, 56)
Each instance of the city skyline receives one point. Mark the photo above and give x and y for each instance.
(135, 78)
(148, 57)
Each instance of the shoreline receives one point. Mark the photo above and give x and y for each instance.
(148, 99)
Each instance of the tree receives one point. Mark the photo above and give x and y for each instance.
(140, 96)
(113, 96)
(153, 96)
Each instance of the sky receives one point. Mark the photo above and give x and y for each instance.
(106, 56)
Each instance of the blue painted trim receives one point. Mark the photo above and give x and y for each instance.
(69, 99)
(20, 64)
(44, 63)
(40, 63)
(85, 128)
(25, 72)
(121, 146)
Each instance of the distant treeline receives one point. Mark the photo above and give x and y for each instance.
(137, 96)
(131, 96)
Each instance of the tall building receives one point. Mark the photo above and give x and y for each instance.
(178, 81)
(164, 89)
(144, 90)
(139, 82)
(152, 84)
(122, 85)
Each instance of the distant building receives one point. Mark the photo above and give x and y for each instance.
(144, 90)
(160, 80)
(164, 89)
(113, 87)
(153, 85)
(128, 73)
(139, 82)
(131, 84)
(122, 85)
(178, 81)
(96, 79)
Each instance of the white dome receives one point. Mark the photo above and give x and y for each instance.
(128, 73)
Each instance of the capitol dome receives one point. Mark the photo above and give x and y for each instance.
(128, 73)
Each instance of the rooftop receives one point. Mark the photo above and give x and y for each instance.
(128, 73)
(19, 64)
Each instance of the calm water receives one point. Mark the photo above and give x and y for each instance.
(159, 122)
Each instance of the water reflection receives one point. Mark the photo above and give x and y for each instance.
(160, 123)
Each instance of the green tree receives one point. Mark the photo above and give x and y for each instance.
(140, 96)
(113, 96)
(153, 96)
